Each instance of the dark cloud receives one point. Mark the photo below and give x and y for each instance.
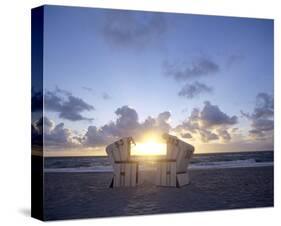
(126, 28)
(262, 117)
(200, 67)
(162, 121)
(37, 132)
(95, 137)
(210, 123)
(263, 124)
(36, 101)
(126, 124)
(158, 125)
(68, 106)
(192, 123)
(42, 123)
(262, 128)
(49, 125)
(206, 127)
(264, 106)
(185, 72)
(105, 96)
(211, 115)
(186, 135)
(190, 91)
(224, 134)
(54, 135)
(58, 136)
(207, 135)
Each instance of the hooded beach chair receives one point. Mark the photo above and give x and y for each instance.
(172, 171)
(125, 171)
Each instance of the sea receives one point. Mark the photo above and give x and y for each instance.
(199, 161)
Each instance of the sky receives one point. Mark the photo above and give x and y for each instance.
(114, 73)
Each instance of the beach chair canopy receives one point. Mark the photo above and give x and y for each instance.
(172, 171)
(124, 169)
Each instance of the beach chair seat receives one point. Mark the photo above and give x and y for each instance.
(125, 174)
(166, 173)
(125, 171)
(173, 170)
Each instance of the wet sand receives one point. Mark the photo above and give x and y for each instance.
(86, 195)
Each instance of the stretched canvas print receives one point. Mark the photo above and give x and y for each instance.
(138, 112)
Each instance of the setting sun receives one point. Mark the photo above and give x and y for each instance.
(149, 148)
(150, 145)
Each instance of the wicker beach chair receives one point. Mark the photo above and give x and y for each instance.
(172, 171)
(125, 171)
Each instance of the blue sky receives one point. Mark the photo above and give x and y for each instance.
(112, 58)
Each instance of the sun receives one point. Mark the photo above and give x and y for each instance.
(149, 146)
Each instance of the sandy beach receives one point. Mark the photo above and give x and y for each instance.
(85, 195)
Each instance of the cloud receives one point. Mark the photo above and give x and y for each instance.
(127, 124)
(189, 91)
(37, 132)
(45, 131)
(184, 72)
(200, 67)
(36, 101)
(95, 137)
(41, 124)
(157, 125)
(54, 135)
(192, 123)
(224, 134)
(68, 106)
(186, 135)
(49, 125)
(262, 122)
(105, 96)
(207, 135)
(127, 121)
(130, 29)
(264, 106)
(211, 115)
(58, 136)
(210, 123)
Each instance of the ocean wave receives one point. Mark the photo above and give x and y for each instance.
(102, 169)
(201, 165)
(230, 164)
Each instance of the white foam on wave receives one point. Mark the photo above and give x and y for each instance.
(202, 165)
(230, 164)
(101, 169)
